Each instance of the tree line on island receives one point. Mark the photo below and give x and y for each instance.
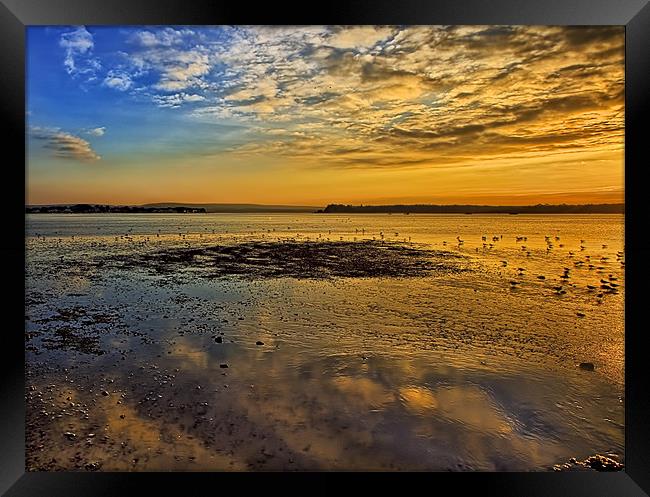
(475, 209)
(93, 208)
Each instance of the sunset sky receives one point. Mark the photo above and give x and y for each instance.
(318, 115)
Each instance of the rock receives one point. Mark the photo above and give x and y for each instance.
(580, 314)
(602, 463)
(223, 365)
(587, 366)
(92, 466)
(105, 393)
(69, 435)
(259, 342)
(218, 340)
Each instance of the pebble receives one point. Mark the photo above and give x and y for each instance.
(602, 463)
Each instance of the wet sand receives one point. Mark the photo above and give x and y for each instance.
(196, 351)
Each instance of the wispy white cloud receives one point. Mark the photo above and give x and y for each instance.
(118, 80)
(179, 69)
(166, 37)
(78, 45)
(97, 131)
(176, 99)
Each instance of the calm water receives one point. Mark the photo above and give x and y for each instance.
(466, 371)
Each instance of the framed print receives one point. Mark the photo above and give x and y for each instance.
(371, 238)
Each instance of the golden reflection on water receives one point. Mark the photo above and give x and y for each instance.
(119, 437)
(364, 391)
(468, 406)
(418, 399)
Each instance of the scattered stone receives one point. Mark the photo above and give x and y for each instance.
(587, 366)
(580, 314)
(602, 463)
(259, 342)
(69, 435)
(105, 393)
(223, 365)
(92, 466)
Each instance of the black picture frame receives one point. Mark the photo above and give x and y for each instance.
(15, 15)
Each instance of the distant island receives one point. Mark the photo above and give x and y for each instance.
(235, 208)
(94, 208)
(474, 209)
(168, 207)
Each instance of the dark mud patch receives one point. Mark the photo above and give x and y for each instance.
(305, 260)
(72, 338)
(73, 328)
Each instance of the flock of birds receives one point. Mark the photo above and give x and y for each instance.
(608, 285)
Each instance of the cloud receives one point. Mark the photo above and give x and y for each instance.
(359, 37)
(97, 131)
(78, 41)
(64, 145)
(176, 100)
(165, 37)
(78, 45)
(118, 80)
(384, 96)
(179, 69)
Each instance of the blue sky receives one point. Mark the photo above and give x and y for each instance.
(103, 88)
(315, 114)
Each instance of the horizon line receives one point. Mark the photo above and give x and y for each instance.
(180, 204)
